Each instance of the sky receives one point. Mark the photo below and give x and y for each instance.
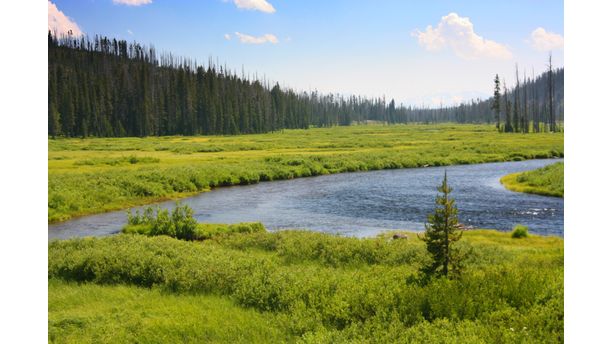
(416, 52)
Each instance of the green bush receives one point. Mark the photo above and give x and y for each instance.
(210, 230)
(520, 231)
(328, 297)
(181, 224)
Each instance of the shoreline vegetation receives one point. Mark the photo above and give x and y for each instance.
(95, 175)
(301, 286)
(546, 181)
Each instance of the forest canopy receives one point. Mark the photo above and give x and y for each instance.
(111, 88)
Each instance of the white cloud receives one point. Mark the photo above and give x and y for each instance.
(132, 2)
(61, 24)
(227, 36)
(248, 39)
(457, 99)
(255, 5)
(130, 32)
(542, 40)
(457, 33)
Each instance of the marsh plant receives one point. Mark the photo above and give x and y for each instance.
(520, 231)
(179, 224)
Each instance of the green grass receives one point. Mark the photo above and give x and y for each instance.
(90, 313)
(300, 286)
(93, 175)
(204, 231)
(547, 181)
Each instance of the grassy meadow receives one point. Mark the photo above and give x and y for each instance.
(547, 181)
(299, 286)
(94, 175)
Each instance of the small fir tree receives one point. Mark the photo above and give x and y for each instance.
(441, 232)
(496, 107)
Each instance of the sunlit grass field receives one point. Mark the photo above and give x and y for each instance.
(547, 181)
(298, 286)
(100, 174)
(90, 313)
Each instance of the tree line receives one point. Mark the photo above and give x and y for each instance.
(110, 88)
(534, 104)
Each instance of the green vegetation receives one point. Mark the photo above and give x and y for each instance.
(299, 286)
(173, 167)
(90, 313)
(520, 231)
(105, 87)
(441, 234)
(547, 181)
(182, 225)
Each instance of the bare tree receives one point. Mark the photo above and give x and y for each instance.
(534, 103)
(525, 104)
(551, 111)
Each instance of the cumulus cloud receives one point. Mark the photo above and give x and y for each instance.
(542, 40)
(61, 24)
(457, 33)
(255, 5)
(248, 39)
(132, 2)
(227, 36)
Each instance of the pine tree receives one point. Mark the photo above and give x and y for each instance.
(441, 232)
(55, 126)
(496, 101)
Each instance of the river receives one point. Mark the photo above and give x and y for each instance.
(362, 203)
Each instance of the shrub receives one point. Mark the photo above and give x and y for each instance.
(184, 222)
(181, 224)
(369, 301)
(520, 231)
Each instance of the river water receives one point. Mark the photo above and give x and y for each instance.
(361, 204)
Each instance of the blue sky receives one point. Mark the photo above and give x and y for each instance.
(363, 47)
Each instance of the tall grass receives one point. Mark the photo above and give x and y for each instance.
(100, 174)
(181, 224)
(328, 289)
(90, 313)
(547, 181)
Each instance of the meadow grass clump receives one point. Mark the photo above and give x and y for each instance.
(92, 313)
(547, 181)
(520, 231)
(181, 224)
(124, 160)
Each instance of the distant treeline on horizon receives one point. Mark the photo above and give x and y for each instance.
(112, 88)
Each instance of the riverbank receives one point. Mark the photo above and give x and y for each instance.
(299, 286)
(359, 204)
(546, 181)
(94, 175)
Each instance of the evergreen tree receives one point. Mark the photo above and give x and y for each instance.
(441, 232)
(55, 126)
(496, 101)
(109, 87)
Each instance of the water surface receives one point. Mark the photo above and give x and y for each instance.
(362, 203)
